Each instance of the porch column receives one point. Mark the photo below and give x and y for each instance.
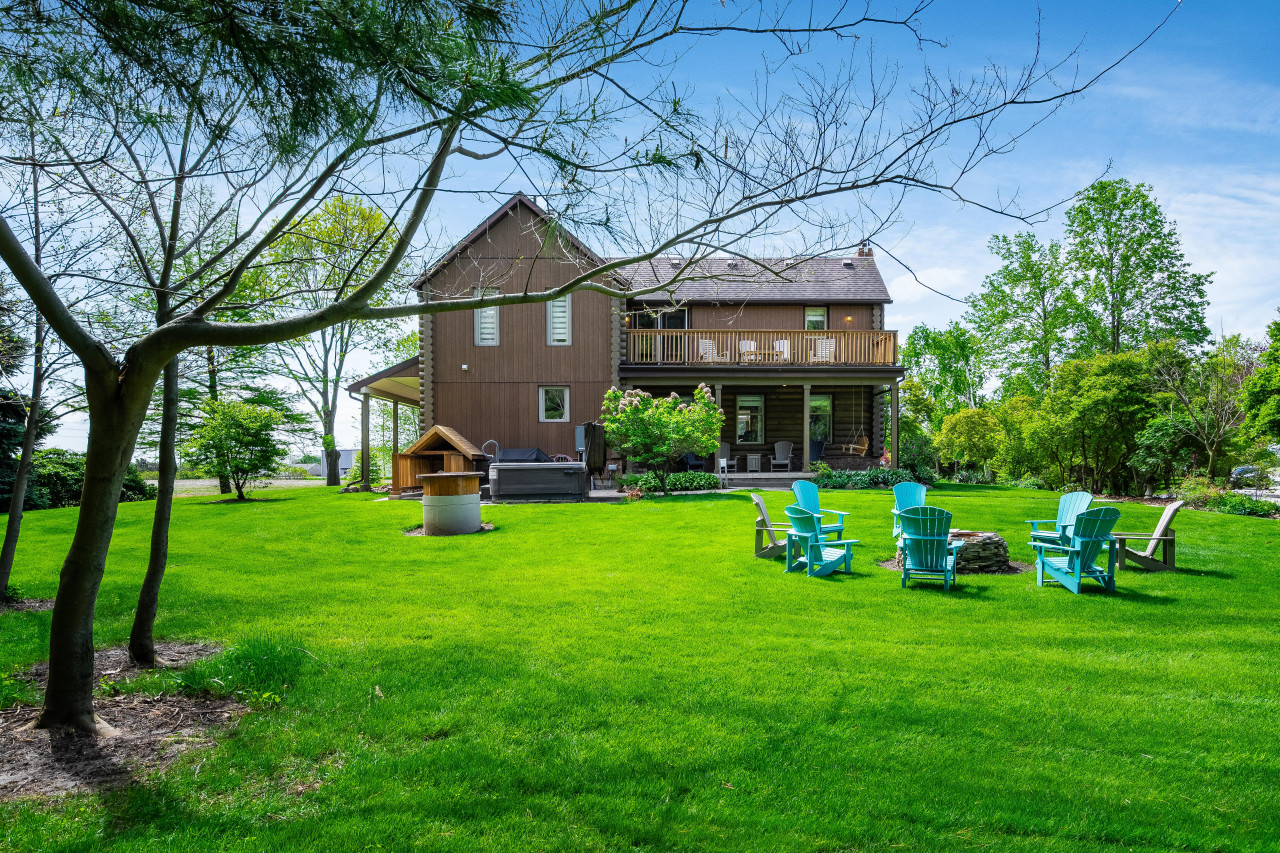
(893, 424)
(395, 426)
(804, 420)
(718, 390)
(364, 441)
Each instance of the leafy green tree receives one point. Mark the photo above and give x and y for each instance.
(1016, 457)
(657, 432)
(1163, 452)
(948, 365)
(1025, 309)
(238, 441)
(322, 258)
(1208, 389)
(1087, 426)
(1133, 282)
(970, 437)
(1262, 389)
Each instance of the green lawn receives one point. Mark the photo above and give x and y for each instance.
(609, 677)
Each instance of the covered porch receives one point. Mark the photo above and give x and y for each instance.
(847, 421)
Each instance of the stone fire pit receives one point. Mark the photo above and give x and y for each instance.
(984, 553)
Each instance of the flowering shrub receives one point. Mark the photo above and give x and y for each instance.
(1202, 493)
(658, 432)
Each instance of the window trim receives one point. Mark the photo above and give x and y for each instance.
(737, 407)
(475, 324)
(542, 404)
(568, 321)
(826, 319)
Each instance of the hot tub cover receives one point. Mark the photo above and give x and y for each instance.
(522, 454)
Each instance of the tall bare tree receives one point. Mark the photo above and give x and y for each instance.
(277, 108)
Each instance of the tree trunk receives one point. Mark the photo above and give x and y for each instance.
(26, 462)
(331, 457)
(224, 482)
(118, 401)
(142, 647)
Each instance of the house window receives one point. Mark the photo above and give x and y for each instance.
(815, 319)
(553, 403)
(559, 323)
(486, 322)
(750, 420)
(819, 417)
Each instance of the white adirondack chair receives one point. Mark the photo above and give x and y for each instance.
(1162, 536)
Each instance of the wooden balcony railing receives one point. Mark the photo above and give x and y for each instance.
(760, 348)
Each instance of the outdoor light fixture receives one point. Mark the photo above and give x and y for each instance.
(464, 367)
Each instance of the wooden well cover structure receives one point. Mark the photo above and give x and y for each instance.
(439, 451)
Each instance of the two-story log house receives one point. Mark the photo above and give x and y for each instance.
(795, 352)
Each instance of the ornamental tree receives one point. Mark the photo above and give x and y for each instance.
(970, 436)
(237, 441)
(658, 432)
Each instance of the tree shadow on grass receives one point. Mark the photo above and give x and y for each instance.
(234, 501)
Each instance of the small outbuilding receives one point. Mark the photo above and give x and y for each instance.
(440, 450)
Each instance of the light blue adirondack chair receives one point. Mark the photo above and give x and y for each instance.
(807, 499)
(807, 549)
(905, 496)
(1069, 506)
(927, 551)
(1070, 565)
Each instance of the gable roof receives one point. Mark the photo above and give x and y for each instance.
(444, 438)
(724, 279)
(717, 279)
(493, 219)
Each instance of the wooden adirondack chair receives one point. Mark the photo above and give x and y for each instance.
(1072, 564)
(1069, 506)
(807, 499)
(806, 548)
(781, 456)
(1162, 536)
(905, 496)
(766, 530)
(927, 550)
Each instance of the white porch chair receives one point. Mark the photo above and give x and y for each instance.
(781, 460)
(708, 352)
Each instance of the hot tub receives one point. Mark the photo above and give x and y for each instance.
(512, 482)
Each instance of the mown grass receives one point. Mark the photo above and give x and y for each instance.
(608, 677)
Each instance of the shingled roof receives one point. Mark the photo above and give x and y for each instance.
(720, 279)
(844, 280)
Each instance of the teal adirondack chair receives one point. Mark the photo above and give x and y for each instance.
(905, 496)
(1069, 506)
(807, 499)
(927, 551)
(1072, 564)
(807, 549)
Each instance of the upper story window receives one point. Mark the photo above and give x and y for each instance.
(559, 322)
(486, 322)
(815, 319)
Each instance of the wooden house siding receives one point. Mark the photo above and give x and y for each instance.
(496, 396)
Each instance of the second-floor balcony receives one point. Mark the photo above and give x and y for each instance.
(761, 347)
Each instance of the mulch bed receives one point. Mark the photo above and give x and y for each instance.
(1015, 568)
(1129, 499)
(28, 605)
(152, 732)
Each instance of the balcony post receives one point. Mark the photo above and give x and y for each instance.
(804, 420)
(893, 425)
